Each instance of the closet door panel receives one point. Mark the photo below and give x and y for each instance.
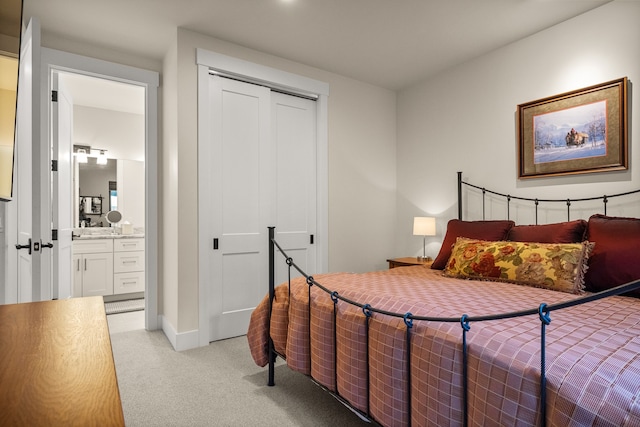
(294, 132)
(241, 192)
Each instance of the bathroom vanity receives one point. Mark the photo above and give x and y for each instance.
(107, 263)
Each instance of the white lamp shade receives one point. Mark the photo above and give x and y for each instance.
(424, 226)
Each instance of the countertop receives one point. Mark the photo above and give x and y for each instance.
(104, 233)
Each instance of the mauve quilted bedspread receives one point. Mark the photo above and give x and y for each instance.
(593, 350)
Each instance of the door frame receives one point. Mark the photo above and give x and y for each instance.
(207, 62)
(61, 279)
(55, 60)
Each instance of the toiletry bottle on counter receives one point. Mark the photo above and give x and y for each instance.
(126, 227)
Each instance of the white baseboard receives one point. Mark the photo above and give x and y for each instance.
(180, 341)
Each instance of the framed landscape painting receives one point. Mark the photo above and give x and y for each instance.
(582, 131)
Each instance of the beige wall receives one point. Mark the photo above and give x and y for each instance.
(168, 239)
(361, 138)
(465, 118)
(54, 41)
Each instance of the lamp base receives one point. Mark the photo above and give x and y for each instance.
(424, 258)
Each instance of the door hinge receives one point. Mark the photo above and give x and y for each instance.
(54, 166)
(311, 239)
(54, 96)
(54, 234)
(215, 244)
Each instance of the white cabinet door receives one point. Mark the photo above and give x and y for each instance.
(76, 274)
(97, 274)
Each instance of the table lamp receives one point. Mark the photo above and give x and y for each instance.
(424, 226)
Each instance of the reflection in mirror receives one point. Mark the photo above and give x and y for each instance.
(95, 182)
(113, 195)
(10, 31)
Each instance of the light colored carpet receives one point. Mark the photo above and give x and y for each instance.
(216, 385)
(124, 306)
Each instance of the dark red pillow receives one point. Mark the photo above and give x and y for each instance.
(615, 259)
(482, 230)
(561, 232)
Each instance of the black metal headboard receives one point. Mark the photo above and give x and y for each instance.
(508, 198)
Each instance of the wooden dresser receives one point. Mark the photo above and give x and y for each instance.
(56, 365)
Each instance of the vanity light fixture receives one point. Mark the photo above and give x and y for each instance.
(81, 155)
(102, 158)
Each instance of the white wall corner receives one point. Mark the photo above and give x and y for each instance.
(180, 341)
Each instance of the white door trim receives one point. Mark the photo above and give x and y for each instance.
(207, 61)
(64, 61)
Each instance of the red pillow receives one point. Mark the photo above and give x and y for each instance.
(562, 232)
(481, 230)
(615, 259)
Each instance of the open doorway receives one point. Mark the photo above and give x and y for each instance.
(54, 63)
(99, 125)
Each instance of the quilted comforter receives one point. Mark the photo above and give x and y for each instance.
(592, 350)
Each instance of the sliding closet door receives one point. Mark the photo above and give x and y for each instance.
(260, 171)
(294, 132)
(242, 190)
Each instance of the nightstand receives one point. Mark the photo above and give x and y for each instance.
(407, 261)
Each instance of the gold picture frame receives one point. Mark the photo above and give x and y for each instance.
(581, 131)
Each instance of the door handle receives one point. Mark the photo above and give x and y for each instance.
(25, 247)
(46, 245)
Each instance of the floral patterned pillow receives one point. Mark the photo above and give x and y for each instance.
(556, 266)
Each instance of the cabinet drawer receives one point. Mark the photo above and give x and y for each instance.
(124, 283)
(121, 245)
(92, 246)
(124, 262)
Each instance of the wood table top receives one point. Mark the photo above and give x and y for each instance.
(56, 365)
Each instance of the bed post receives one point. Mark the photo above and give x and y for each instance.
(272, 353)
(459, 195)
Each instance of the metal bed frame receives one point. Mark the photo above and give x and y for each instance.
(543, 311)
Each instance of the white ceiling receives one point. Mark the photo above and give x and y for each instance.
(388, 43)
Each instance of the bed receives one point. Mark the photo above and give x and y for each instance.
(512, 325)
